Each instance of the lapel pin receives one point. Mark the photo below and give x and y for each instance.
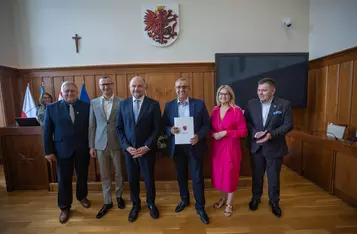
(77, 113)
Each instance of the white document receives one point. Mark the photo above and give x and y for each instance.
(185, 125)
(335, 130)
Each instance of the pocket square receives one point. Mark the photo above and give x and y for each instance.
(277, 113)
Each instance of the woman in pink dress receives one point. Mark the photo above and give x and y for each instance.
(227, 127)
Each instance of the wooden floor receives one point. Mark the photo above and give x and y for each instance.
(307, 209)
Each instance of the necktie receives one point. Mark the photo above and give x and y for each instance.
(136, 109)
(71, 112)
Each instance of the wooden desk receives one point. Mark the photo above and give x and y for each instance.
(329, 163)
(24, 164)
(26, 167)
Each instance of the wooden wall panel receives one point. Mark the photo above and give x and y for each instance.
(353, 118)
(332, 92)
(317, 157)
(7, 101)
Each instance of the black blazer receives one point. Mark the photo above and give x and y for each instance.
(147, 129)
(279, 122)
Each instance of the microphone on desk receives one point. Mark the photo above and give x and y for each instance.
(30, 110)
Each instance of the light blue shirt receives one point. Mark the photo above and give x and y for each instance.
(183, 109)
(265, 111)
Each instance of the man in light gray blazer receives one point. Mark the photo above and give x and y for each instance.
(104, 144)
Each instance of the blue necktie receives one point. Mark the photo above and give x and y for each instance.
(136, 109)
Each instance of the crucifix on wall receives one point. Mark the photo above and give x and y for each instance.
(76, 38)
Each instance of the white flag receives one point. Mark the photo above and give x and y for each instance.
(29, 107)
(60, 96)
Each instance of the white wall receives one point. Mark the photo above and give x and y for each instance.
(7, 39)
(112, 33)
(333, 26)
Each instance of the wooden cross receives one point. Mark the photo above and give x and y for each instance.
(76, 38)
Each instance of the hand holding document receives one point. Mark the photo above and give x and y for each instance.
(186, 130)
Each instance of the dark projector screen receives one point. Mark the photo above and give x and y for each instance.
(243, 71)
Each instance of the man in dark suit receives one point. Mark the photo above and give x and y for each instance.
(138, 128)
(190, 154)
(268, 119)
(65, 139)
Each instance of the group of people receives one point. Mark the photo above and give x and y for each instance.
(75, 130)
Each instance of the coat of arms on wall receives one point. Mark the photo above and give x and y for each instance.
(161, 23)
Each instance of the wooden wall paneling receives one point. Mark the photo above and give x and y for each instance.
(311, 101)
(209, 90)
(122, 87)
(317, 164)
(294, 160)
(57, 83)
(320, 105)
(78, 80)
(35, 89)
(48, 86)
(300, 118)
(196, 84)
(345, 176)
(332, 89)
(161, 87)
(353, 118)
(2, 106)
(89, 81)
(345, 94)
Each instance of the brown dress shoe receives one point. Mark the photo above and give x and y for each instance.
(64, 216)
(85, 203)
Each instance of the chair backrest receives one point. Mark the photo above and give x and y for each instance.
(336, 131)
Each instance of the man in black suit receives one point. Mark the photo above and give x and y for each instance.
(138, 128)
(268, 119)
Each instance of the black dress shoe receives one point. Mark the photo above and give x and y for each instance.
(253, 204)
(275, 209)
(203, 215)
(181, 206)
(133, 215)
(121, 203)
(154, 212)
(104, 210)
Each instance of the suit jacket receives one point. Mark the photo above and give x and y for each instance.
(102, 132)
(201, 124)
(279, 122)
(147, 129)
(60, 135)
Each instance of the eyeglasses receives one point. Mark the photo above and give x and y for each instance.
(106, 84)
(223, 94)
(181, 87)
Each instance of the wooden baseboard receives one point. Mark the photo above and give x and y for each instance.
(166, 186)
(345, 197)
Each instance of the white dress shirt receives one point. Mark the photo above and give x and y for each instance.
(265, 111)
(108, 105)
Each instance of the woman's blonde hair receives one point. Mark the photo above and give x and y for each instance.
(230, 92)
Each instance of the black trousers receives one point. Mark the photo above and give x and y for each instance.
(65, 168)
(183, 158)
(145, 164)
(259, 164)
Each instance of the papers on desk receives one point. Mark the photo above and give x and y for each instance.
(335, 130)
(185, 124)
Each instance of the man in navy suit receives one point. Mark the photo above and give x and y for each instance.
(138, 128)
(190, 154)
(65, 140)
(268, 119)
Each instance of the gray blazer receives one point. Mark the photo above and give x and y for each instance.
(102, 133)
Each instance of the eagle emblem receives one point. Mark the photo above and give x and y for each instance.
(161, 24)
